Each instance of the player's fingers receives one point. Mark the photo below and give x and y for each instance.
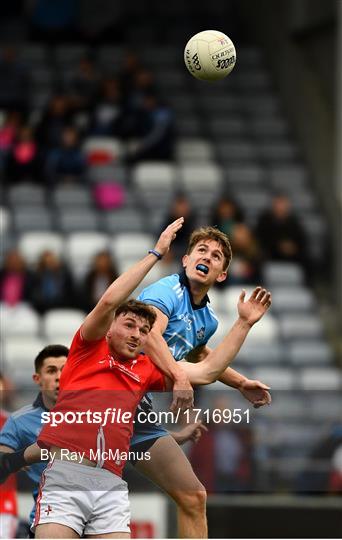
(261, 295)
(255, 292)
(202, 427)
(259, 384)
(266, 299)
(242, 296)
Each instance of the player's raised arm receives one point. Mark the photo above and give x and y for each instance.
(210, 369)
(99, 319)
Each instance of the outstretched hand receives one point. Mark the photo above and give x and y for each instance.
(256, 392)
(168, 235)
(255, 307)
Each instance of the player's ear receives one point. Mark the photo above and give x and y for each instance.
(36, 378)
(221, 277)
(185, 260)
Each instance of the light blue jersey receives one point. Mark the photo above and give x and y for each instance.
(22, 429)
(189, 326)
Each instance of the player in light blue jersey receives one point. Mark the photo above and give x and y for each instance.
(185, 323)
(23, 426)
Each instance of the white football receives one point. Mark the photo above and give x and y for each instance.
(210, 55)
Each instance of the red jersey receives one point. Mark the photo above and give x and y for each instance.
(93, 382)
(8, 490)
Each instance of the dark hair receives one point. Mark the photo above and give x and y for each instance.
(211, 233)
(50, 350)
(138, 308)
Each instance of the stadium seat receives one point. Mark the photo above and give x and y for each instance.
(260, 355)
(282, 274)
(5, 221)
(325, 405)
(124, 220)
(277, 378)
(287, 177)
(75, 196)
(19, 320)
(81, 248)
(32, 244)
(206, 176)
(107, 173)
(32, 218)
(227, 127)
(295, 299)
(265, 333)
(188, 126)
(71, 220)
(310, 353)
(19, 354)
(327, 379)
(268, 128)
(277, 152)
(61, 322)
(102, 150)
(298, 327)
(251, 174)
(154, 175)
(237, 151)
(194, 150)
(26, 194)
(131, 246)
(230, 296)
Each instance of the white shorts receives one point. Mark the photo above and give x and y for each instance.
(86, 499)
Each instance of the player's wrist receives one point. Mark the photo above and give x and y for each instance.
(156, 253)
(244, 323)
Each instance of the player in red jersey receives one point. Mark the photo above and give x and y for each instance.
(8, 491)
(81, 490)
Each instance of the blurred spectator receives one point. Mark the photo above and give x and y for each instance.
(280, 234)
(108, 113)
(222, 459)
(101, 274)
(14, 88)
(245, 265)
(24, 161)
(8, 131)
(67, 161)
(84, 84)
(155, 130)
(137, 86)
(327, 476)
(226, 214)
(14, 279)
(55, 118)
(335, 477)
(52, 284)
(180, 207)
(130, 67)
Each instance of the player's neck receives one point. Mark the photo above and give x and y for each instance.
(198, 292)
(48, 403)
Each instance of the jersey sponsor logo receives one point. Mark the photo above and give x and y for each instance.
(200, 333)
(187, 320)
(114, 364)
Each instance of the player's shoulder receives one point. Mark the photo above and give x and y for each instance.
(168, 284)
(32, 410)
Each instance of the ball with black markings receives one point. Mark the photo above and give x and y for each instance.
(210, 55)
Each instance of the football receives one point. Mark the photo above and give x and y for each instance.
(210, 55)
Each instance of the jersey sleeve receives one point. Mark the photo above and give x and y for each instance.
(81, 349)
(160, 296)
(157, 380)
(9, 435)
